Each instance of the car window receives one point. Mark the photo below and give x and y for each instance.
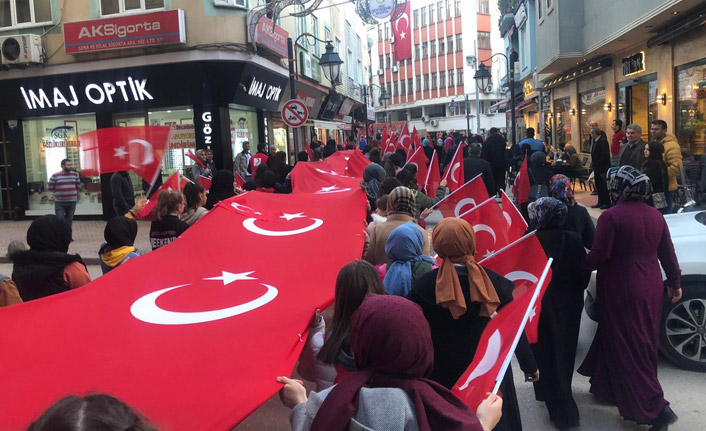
(701, 217)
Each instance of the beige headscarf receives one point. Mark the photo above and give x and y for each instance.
(455, 242)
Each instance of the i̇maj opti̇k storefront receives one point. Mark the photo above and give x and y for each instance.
(210, 104)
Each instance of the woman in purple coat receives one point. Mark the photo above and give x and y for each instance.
(631, 240)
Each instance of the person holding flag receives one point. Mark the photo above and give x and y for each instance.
(458, 299)
(560, 315)
(409, 179)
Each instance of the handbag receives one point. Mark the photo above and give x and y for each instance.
(659, 199)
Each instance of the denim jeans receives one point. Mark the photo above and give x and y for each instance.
(65, 210)
(670, 201)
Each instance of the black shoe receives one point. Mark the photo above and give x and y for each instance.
(566, 425)
(666, 418)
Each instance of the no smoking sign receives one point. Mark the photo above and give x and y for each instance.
(295, 113)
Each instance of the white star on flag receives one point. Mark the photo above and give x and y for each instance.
(402, 35)
(289, 217)
(120, 152)
(229, 277)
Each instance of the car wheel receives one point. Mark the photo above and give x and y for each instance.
(683, 334)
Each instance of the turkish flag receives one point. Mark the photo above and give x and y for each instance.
(522, 262)
(389, 146)
(419, 159)
(385, 137)
(204, 181)
(137, 148)
(239, 181)
(516, 224)
(349, 162)
(495, 349)
(318, 178)
(454, 171)
(308, 150)
(196, 160)
(464, 198)
(416, 141)
(521, 188)
(405, 139)
(402, 31)
(433, 179)
(489, 225)
(174, 182)
(193, 334)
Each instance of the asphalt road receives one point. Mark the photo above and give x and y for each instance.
(686, 391)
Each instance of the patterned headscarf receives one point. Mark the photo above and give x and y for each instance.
(628, 184)
(404, 247)
(548, 213)
(402, 200)
(448, 143)
(560, 187)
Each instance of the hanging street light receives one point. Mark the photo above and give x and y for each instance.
(330, 63)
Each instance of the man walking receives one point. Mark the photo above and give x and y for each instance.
(600, 156)
(494, 152)
(242, 160)
(632, 153)
(123, 192)
(672, 158)
(618, 140)
(529, 145)
(65, 185)
(474, 165)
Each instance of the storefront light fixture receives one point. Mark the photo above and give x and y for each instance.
(663, 99)
(608, 107)
(549, 114)
(572, 111)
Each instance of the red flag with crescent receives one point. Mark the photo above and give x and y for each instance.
(210, 318)
(402, 31)
(349, 162)
(416, 140)
(239, 181)
(521, 188)
(454, 171)
(464, 198)
(196, 160)
(174, 182)
(405, 139)
(419, 159)
(136, 148)
(489, 225)
(516, 224)
(522, 262)
(320, 179)
(433, 176)
(308, 150)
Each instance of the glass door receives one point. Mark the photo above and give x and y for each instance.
(128, 120)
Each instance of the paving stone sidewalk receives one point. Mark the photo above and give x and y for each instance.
(87, 235)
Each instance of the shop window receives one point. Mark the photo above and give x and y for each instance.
(112, 7)
(47, 142)
(691, 107)
(590, 110)
(24, 12)
(563, 121)
(183, 139)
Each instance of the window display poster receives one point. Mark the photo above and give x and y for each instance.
(243, 128)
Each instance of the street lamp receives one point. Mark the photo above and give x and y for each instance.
(384, 98)
(330, 63)
(483, 78)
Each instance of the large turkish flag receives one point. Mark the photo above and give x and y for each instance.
(193, 334)
(522, 186)
(137, 148)
(349, 162)
(319, 178)
(464, 198)
(402, 31)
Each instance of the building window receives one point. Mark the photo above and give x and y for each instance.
(387, 32)
(24, 12)
(549, 5)
(315, 31)
(327, 33)
(424, 16)
(459, 76)
(415, 113)
(436, 111)
(425, 50)
(410, 86)
(300, 24)
(112, 7)
(440, 11)
(450, 45)
(563, 120)
(425, 78)
(381, 61)
(442, 80)
(379, 33)
(431, 14)
(459, 44)
(451, 78)
(590, 109)
(540, 14)
(448, 9)
(483, 7)
(433, 81)
(402, 89)
(433, 48)
(458, 8)
(691, 107)
(483, 40)
(416, 52)
(442, 46)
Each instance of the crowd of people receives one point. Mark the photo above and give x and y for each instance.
(406, 326)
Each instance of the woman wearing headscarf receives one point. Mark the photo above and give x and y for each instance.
(392, 389)
(373, 176)
(560, 317)
(574, 160)
(222, 188)
(404, 248)
(458, 299)
(577, 220)
(655, 169)
(120, 233)
(47, 268)
(428, 148)
(408, 178)
(632, 240)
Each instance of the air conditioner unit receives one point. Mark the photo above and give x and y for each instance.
(380, 72)
(425, 118)
(392, 39)
(394, 69)
(489, 88)
(470, 61)
(21, 49)
(434, 123)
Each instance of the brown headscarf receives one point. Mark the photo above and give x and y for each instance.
(455, 242)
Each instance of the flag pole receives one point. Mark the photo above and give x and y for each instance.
(535, 296)
(426, 181)
(508, 246)
(476, 207)
(449, 195)
(408, 158)
(446, 174)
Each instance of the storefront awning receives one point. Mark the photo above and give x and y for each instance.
(500, 105)
(332, 125)
(526, 103)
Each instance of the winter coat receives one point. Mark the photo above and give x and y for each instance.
(672, 157)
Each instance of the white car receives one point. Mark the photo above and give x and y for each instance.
(683, 329)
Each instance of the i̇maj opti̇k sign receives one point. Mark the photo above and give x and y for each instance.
(132, 31)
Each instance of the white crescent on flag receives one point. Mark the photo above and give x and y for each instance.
(462, 203)
(490, 357)
(508, 219)
(453, 172)
(250, 225)
(485, 228)
(521, 275)
(404, 30)
(148, 157)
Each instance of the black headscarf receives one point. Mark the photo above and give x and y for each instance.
(119, 232)
(49, 233)
(221, 188)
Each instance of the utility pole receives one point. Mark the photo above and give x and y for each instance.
(475, 48)
(292, 90)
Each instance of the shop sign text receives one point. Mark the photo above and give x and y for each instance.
(634, 64)
(264, 90)
(128, 91)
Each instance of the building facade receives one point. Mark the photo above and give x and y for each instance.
(636, 61)
(450, 38)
